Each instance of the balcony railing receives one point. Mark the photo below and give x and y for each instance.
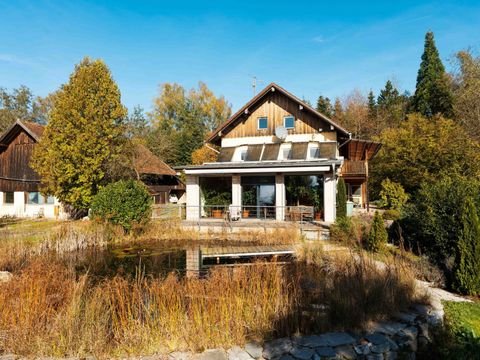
(235, 213)
(354, 167)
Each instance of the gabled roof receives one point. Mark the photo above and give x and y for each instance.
(145, 162)
(33, 129)
(232, 121)
(358, 149)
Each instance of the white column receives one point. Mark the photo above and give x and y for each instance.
(329, 197)
(193, 197)
(19, 203)
(236, 193)
(280, 197)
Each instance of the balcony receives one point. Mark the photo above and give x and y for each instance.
(354, 168)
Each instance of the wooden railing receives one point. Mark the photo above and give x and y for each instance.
(354, 167)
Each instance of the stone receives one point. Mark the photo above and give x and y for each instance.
(5, 276)
(390, 355)
(276, 348)
(254, 350)
(179, 355)
(212, 354)
(302, 353)
(393, 345)
(374, 357)
(390, 328)
(424, 330)
(237, 353)
(410, 332)
(345, 352)
(422, 309)
(338, 338)
(376, 338)
(326, 351)
(362, 349)
(286, 357)
(380, 348)
(408, 318)
(312, 341)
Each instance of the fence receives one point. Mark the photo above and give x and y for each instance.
(236, 213)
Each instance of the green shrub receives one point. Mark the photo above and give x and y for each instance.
(341, 199)
(392, 195)
(467, 272)
(124, 203)
(391, 214)
(349, 231)
(377, 238)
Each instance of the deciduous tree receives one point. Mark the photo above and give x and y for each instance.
(84, 137)
(19, 104)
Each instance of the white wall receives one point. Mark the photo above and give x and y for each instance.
(193, 197)
(329, 197)
(252, 140)
(21, 209)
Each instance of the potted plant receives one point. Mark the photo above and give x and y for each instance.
(220, 199)
(318, 203)
(248, 199)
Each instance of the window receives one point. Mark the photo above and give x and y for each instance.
(243, 155)
(286, 154)
(314, 152)
(50, 200)
(289, 122)
(8, 197)
(34, 198)
(262, 123)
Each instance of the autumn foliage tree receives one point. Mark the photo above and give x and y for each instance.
(203, 155)
(84, 137)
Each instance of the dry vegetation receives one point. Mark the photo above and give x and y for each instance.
(48, 310)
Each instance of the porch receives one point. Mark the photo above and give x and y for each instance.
(280, 192)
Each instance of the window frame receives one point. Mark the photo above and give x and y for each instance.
(266, 122)
(5, 202)
(284, 122)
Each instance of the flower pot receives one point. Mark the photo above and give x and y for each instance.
(217, 214)
(245, 214)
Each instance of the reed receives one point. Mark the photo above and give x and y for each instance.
(47, 310)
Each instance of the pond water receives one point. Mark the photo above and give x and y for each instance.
(159, 258)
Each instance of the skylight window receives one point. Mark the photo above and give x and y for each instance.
(289, 122)
(262, 123)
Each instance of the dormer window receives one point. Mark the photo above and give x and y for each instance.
(289, 122)
(314, 152)
(243, 155)
(262, 123)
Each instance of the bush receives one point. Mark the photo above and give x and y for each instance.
(124, 203)
(391, 214)
(349, 231)
(392, 195)
(378, 236)
(467, 272)
(341, 199)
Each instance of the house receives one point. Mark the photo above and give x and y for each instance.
(278, 156)
(20, 194)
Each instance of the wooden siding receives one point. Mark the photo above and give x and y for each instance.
(15, 171)
(275, 107)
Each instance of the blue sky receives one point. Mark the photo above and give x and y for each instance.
(310, 48)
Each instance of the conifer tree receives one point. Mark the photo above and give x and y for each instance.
(377, 236)
(338, 112)
(84, 138)
(372, 106)
(432, 94)
(467, 274)
(341, 199)
(324, 106)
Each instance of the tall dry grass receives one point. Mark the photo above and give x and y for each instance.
(47, 310)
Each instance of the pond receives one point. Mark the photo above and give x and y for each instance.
(159, 258)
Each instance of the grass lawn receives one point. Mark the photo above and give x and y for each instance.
(463, 316)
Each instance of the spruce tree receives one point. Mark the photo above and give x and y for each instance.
(467, 274)
(324, 106)
(341, 199)
(84, 138)
(338, 113)
(377, 237)
(432, 94)
(372, 106)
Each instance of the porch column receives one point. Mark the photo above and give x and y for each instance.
(236, 192)
(329, 197)
(19, 203)
(193, 197)
(280, 197)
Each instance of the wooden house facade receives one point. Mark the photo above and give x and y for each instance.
(269, 144)
(20, 194)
